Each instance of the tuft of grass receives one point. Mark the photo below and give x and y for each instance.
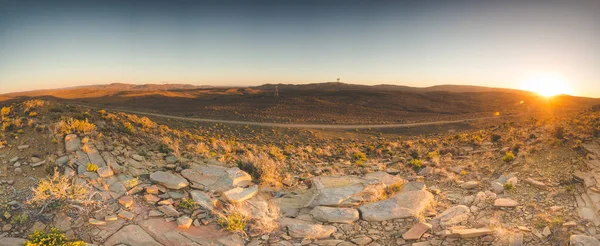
(508, 157)
(58, 188)
(187, 203)
(52, 238)
(415, 164)
(91, 167)
(233, 220)
(509, 186)
(19, 219)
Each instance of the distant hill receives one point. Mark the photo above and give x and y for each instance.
(330, 102)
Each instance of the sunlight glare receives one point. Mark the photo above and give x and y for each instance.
(547, 85)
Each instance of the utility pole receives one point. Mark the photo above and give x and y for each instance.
(276, 91)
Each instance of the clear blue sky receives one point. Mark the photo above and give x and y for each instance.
(49, 44)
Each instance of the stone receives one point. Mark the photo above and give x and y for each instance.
(204, 200)
(515, 239)
(72, 143)
(22, 147)
(126, 201)
(451, 217)
(497, 187)
(217, 178)
(96, 222)
(152, 189)
(535, 183)
(6, 227)
(413, 186)
(470, 233)
(469, 185)
(505, 202)
(335, 215)
(546, 231)
(152, 199)
(416, 231)
(18, 171)
(131, 235)
(155, 213)
(111, 218)
(184, 222)
(169, 210)
(386, 179)
(12, 241)
(345, 190)
(239, 194)
(361, 240)
(314, 231)
(171, 159)
(105, 172)
(126, 215)
(62, 160)
(569, 224)
(137, 157)
(169, 180)
(14, 159)
(37, 164)
(168, 233)
(402, 205)
(577, 240)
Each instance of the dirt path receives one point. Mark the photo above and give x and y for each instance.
(295, 125)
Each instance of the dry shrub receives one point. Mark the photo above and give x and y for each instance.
(31, 104)
(71, 125)
(262, 168)
(58, 188)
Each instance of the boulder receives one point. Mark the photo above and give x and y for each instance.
(579, 240)
(335, 215)
(217, 178)
(239, 194)
(204, 200)
(402, 205)
(451, 217)
(72, 143)
(345, 190)
(169, 180)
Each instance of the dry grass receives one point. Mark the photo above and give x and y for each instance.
(261, 167)
(70, 125)
(58, 188)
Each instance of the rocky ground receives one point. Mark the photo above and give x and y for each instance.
(111, 187)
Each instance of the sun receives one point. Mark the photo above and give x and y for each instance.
(547, 85)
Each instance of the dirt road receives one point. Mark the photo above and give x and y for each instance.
(293, 125)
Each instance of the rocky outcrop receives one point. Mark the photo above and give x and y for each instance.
(169, 180)
(335, 215)
(346, 190)
(217, 178)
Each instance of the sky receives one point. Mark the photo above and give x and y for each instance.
(51, 44)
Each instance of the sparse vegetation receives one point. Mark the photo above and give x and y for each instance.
(52, 238)
(187, 203)
(261, 167)
(91, 167)
(71, 125)
(508, 157)
(233, 220)
(58, 188)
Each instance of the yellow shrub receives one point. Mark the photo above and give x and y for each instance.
(91, 167)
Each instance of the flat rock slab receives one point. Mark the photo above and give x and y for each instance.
(217, 178)
(95, 156)
(386, 178)
(451, 217)
(169, 180)
(470, 233)
(203, 199)
(168, 233)
(416, 231)
(592, 148)
(72, 143)
(581, 240)
(239, 194)
(345, 190)
(335, 215)
(313, 231)
(402, 205)
(11, 241)
(131, 235)
(535, 183)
